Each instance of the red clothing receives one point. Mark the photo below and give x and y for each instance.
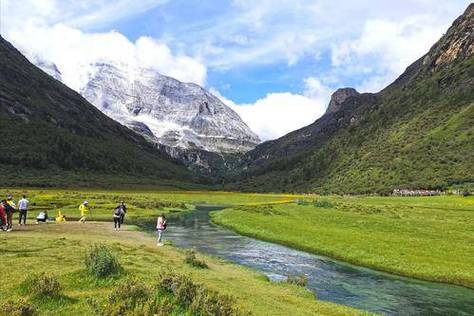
(3, 214)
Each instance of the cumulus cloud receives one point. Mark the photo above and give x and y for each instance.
(73, 50)
(385, 48)
(277, 114)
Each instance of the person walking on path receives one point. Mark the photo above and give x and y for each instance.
(3, 214)
(124, 209)
(84, 209)
(23, 208)
(160, 228)
(10, 208)
(118, 212)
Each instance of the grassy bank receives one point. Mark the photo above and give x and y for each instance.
(60, 249)
(140, 203)
(429, 238)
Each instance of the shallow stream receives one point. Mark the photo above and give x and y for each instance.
(331, 280)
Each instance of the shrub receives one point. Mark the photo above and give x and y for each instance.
(101, 263)
(196, 298)
(126, 297)
(302, 202)
(323, 204)
(207, 302)
(155, 307)
(193, 261)
(150, 307)
(299, 280)
(18, 307)
(180, 286)
(42, 285)
(132, 290)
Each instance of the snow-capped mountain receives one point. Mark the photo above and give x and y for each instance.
(48, 67)
(165, 110)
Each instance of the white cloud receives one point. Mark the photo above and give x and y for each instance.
(288, 30)
(84, 14)
(280, 113)
(73, 50)
(385, 48)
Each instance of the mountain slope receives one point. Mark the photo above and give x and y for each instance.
(173, 113)
(416, 133)
(48, 128)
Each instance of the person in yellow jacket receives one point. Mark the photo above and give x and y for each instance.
(84, 209)
(60, 217)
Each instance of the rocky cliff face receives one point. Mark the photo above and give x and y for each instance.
(458, 42)
(167, 111)
(338, 98)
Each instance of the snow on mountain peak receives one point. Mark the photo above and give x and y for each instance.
(178, 114)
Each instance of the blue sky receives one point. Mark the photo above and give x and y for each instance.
(274, 62)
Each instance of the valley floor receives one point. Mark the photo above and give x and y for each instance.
(430, 238)
(60, 249)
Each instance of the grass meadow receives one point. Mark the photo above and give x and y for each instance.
(429, 238)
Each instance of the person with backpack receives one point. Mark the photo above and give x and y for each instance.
(160, 228)
(118, 212)
(84, 209)
(124, 209)
(23, 208)
(10, 208)
(3, 215)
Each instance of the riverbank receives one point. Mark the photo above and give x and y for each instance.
(428, 238)
(60, 249)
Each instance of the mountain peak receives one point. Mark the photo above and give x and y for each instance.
(338, 98)
(166, 110)
(458, 42)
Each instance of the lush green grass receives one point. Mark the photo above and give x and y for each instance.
(430, 238)
(139, 203)
(416, 135)
(60, 250)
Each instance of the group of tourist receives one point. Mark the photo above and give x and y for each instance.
(8, 207)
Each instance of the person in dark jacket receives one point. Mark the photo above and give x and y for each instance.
(118, 213)
(10, 208)
(124, 209)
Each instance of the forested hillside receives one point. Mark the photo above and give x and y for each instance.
(416, 133)
(47, 130)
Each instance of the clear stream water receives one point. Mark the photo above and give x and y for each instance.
(331, 280)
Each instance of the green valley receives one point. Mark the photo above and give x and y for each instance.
(428, 238)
